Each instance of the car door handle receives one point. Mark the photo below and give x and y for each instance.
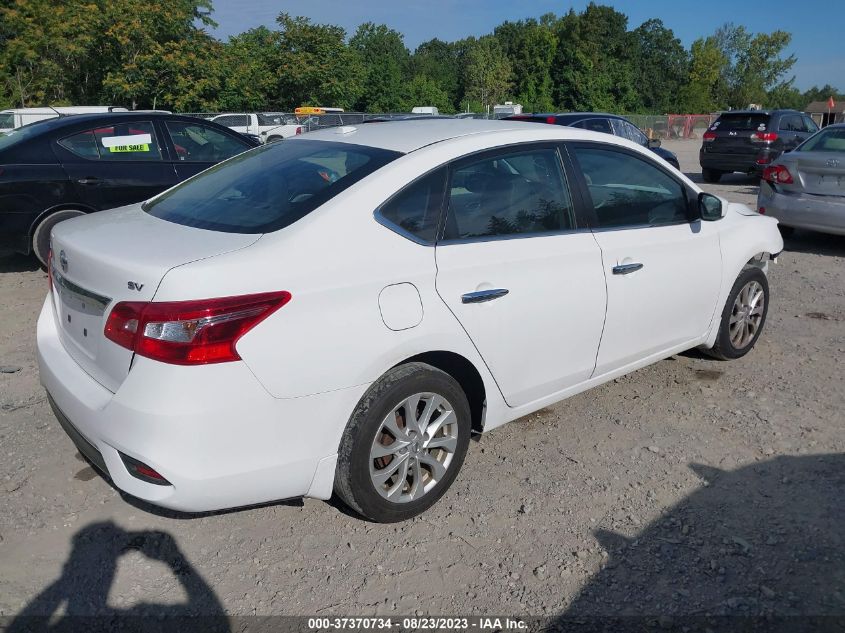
(481, 296)
(90, 180)
(626, 269)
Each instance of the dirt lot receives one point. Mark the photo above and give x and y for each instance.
(690, 487)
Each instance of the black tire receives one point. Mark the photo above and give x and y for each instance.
(724, 349)
(711, 175)
(786, 231)
(41, 234)
(353, 481)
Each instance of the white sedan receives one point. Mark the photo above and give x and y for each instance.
(338, 313)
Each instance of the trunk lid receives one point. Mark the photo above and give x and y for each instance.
(112, 256)
(817, 173)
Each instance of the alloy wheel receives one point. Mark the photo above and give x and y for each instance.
(747, 314)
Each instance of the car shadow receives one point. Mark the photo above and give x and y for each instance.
(78, 599)
(760, 548)
(18, 264)
(815, 243)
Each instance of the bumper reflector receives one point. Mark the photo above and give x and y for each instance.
(139, 470)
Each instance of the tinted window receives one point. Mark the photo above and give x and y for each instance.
(828, 140)
(233, 120)
(269, 187)
(630, 191)
(746, 121)
(594, 125)
(792, 123)
(810, 124)
(131, 141)
(416, 209)
(7, 120)
(518, 192)
(198, 143)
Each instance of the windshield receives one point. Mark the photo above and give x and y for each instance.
(268, 188)
(828, 140)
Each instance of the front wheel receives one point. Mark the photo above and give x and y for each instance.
(404, 444)
(743, 317)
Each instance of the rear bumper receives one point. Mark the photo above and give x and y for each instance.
(825, 214)
(218, 437)
(745, 163)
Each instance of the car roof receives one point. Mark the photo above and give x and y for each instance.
(412, 134)
(57, 123)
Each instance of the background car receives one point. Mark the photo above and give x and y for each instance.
(805, 188)
(748, 140)
(64, 167)
(606, 123)
(339, 312)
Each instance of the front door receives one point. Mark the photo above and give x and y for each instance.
(662, 269)
(196, 147)
(525, 283)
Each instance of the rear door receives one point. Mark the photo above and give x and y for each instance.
(116, 163)
(792, 131)
(195, 146)
(520, 273)
(662, 270)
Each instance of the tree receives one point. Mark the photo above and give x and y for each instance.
(385, 61)
(249, 71)
(708, 64)
(423, 91)
(487, 72)
(316, 67)
(530, 47)
(823, 94)
(439, 62)
(661, 66)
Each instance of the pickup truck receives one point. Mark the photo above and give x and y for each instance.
(269, 127)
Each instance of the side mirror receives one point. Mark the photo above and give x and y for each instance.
(710, 208)
(653, 143)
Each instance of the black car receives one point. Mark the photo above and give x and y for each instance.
(60, 168)
(749, 140)
(601, 122)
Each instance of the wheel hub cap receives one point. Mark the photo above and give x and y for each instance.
(747, 315)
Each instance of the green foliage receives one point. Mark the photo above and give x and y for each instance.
(158, 54)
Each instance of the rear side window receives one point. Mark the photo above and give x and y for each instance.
(508, 194)
(828, 140)
(197, 143)
(595, 125)
(792, 123)
(810, 124)
(745, 121)
(233, 120)
(416, 209)
(268, 188)
(131, 141)
(630, 191)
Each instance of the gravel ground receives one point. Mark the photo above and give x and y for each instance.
(692, 486)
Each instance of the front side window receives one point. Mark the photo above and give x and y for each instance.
(517, 192)
(130, 141)
(268, 188)
(810, 124)
(630, 191)
(416, 209)
(196, 143)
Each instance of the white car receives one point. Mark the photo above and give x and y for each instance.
(269, 127)
(338, 313)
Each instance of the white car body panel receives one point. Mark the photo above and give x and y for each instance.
(269, 426)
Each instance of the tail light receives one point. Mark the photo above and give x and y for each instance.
(298, 130)
(777, 174)
(709, 136)
(190, 332)
(550, 119)
(763, 137)
(762, 210)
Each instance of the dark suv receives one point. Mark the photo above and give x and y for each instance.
(748, 140)
(601, 122)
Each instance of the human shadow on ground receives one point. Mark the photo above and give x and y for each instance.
(760, 548)
(78, 600)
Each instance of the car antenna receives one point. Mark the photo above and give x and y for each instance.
(56, 111)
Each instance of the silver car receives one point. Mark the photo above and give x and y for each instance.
(805, 188)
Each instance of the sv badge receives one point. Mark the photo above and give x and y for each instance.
(135, 286)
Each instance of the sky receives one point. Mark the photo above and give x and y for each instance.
(816, 33)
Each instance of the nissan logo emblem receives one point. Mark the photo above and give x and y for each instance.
(63, 261)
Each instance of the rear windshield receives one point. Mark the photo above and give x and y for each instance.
(829, 140)
(18, 135)
(743, 121)
(268, 188)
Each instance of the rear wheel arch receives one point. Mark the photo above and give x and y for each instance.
(467, 376)
(37, 241)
